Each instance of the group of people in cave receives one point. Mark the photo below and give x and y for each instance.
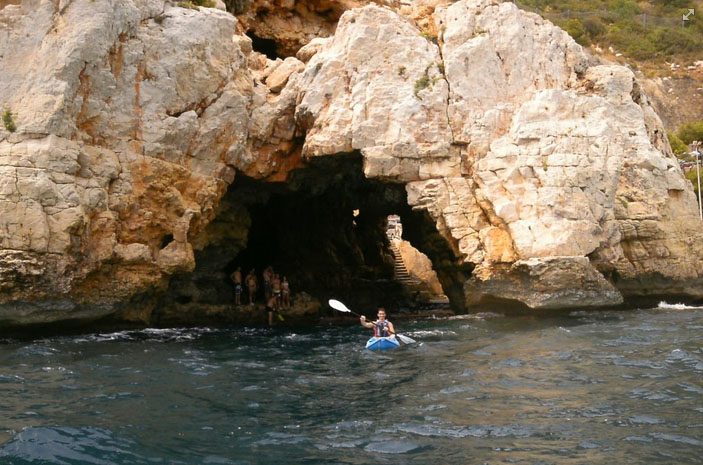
(276, 288)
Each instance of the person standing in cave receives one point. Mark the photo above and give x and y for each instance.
(271, 309)
(276, 289)
(381, 327)
(251, 286)
(285, 293)
(236, 277)
(267, 275)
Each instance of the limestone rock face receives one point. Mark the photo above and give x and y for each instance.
(546, 283)
(129, 119)
(520, 153)
(546, 175)
(289, 24)
(377, 87)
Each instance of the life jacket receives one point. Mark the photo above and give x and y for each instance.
(380, 329)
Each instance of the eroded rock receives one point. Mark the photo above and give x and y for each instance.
(128, 118)
(544, 173)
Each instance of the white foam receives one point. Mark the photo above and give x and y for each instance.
(433, 332)
(474, 316)
(667, 306)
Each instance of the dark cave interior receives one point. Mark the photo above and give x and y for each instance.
(306, 229)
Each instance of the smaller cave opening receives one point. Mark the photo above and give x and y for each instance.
(412, 268)
(268, 47)
(166, 240)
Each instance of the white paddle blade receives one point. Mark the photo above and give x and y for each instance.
(337, 305)
(405, 339)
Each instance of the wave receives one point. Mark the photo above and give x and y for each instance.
(667, 306)
(474, 316)
(150, 334)
(430, 333)
(64, 445)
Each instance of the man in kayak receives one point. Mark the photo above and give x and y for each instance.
(381, 327)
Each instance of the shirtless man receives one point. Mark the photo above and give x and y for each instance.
(285, 292)
(276, 288)
(268, 276)
(237, 280)
(251, 286)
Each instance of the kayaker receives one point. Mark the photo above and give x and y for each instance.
(381, 327)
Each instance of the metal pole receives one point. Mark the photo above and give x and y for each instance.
(698, 174)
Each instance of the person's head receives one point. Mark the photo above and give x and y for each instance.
(381, 313)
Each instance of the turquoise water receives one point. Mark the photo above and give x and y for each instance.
(584, 388)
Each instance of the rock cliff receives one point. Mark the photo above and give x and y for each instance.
(150, 141)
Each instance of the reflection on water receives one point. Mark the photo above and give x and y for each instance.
(589, 387)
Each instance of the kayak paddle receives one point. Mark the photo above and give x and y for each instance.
(337, 305)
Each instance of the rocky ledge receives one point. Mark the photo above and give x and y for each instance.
(148, 148)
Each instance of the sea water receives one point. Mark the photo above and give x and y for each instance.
(608, 387)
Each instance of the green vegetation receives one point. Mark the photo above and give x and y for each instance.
(423, 82)
(7, 120)
(429, 36)
(401, 71)
(194, 4)
(690, 132)
(643, 30)
(237, 6)
(692, 176)
(677, 145)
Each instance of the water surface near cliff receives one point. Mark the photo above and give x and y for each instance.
(597, 388)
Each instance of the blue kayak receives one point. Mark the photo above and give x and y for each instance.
(382, 343)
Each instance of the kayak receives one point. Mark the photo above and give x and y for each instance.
(382, 343)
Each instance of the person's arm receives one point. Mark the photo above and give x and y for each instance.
(391, 328)
(364, 323)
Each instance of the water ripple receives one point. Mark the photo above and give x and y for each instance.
(66, 446)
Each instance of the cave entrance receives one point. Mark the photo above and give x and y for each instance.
(268, 47)
(326, 230)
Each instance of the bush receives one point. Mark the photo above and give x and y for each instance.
(577, 31)
(692, 176)
(7, 120)
(672, 41)
(422, 83)
(594, 27)
(194, 4)
(619, 23)
(237, 6)
(623, 9)
(677, 145)
(690, 132)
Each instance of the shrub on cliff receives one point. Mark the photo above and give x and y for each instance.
(690, 132)
(8, 121)
(194, 4)
(677, 145)
(576, 30)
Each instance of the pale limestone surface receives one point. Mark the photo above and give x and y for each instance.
(545, 172)
(376, 87)
(521, 147)
(129, 124)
